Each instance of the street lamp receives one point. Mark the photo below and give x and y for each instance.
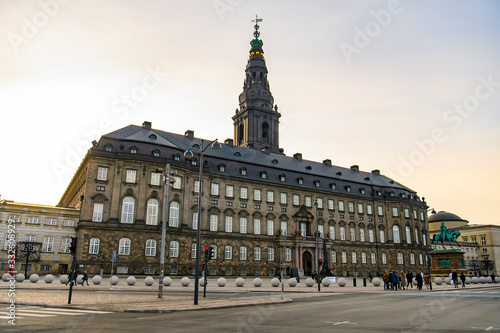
(188, 154)
(424, 231)
(317, 245)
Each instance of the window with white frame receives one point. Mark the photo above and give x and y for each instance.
(214, 189)
(256, 226)
(195, 220)
(102, 173)
(128, 210)
(283, 198)
(155, 178)
(30, 238)
(270, 196)
(319, 202)
(341, 205)
(256, 195)
(424, 239)
(15, 218)
(229, 224)
(350, 207)
(303, 229)
(399, 258)
(270, 254)
(288, 254)
(408, 234)
(360, 208)
(243, 253)
(373, 258)
(69, 223)
(334, 257)
(296, 199)
(173, 220)
(381, 236)
(193, 251)
(228, 252)
(384, 259)
(483, 241)
(395, 234)
(371, 235)
(412, 259)
(65, 243)
(124, 247)
(361, 235)
(33, 219)
(48, 244)
(321, 230)
(422, 216)
(174, 249)
(394, 211)
(416, 236)
(415, 214)
(270, 227)
(51, 221)
(353, 234)
(380, 211)
(363, 257)
(342, 233)
(256, 253)
(421, 259)
(229, 191)
(344, 257)
(243, 225)
(213, 222)
(150, 248)
(284, 228)
(332, 232)
(196, 186)
(131, 176)
(354, 257)
(331, 205)
(308, 201)
(177, 182)
(369, 209)
(152, 212)
(407, 213)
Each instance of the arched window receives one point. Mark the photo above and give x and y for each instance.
(416, 235)
(174, 249)
(408, 234)
(128, 210)
(412, 259)
(374, 258)
(94, 245)
(344, 257)
(363, 257)
(354, 258)
(108, 147)
(265, 130)
(256, 253)
(174, 214)
(384, 259)
(395, 234)
(399, 258)
(240, 134)
(228, 252)
(124, 246)
(150, 247)
(152, 212)
(243, 253)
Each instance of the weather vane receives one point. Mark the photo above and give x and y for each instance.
(256, 26)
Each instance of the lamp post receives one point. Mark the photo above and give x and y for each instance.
(429, 264)
(317, 244)
(188, 154)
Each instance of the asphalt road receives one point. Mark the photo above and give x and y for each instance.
(456, 311)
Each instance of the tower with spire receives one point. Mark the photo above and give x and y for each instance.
(256, 122)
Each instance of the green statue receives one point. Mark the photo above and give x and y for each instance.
(445, 235)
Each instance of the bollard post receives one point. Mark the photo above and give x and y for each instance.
(354, 282)
(364, 282)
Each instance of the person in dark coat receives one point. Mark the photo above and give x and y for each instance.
(454, 277)
(419, 281)
(85, 278)
(395, 280)
(462, 278)
(409, 279)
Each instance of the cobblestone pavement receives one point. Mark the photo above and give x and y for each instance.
(105, 298)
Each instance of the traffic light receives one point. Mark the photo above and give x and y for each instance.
(72, 246)
(320, 262)
(206, 252)
(211, 253)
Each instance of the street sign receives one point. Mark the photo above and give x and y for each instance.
(114, 256)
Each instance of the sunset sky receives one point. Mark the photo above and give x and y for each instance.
(408, 87)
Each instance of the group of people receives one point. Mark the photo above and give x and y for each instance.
(394, 280)
(74, 274)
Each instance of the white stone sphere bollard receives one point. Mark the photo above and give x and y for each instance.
(376, 282)
(239, 282)
(201, 281)
(497, 279)
(64, 279)
(341, 282)
(221, 282)
(149, 281)
(415, 282)
(34, 278)
(467, 280)
(275, 282)
(257, 282)
(475, 280)
(6, 277)
(79, 279)
(309, 282)
(482, 280)
(185, 281)
(96, 280)
(447, 280)
(167, 281)
(49, 278)
(131, 280)
(438, 281)
(489, 280)
(114, 280)
(292, 282)
(326, 282)
(20, 277)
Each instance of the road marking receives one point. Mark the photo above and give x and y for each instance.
(447, 295)
(335, 323)
(42, 312)
(487, 328)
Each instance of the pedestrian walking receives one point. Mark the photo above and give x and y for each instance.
(402, 280)
(462, 278)
(85, 278)
(493, 278)
(395, 280)
(454, 277)
(386, 278)
(419, 280)
(409, 280)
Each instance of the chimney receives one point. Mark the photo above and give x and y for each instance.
(327, 162)
(297, 156)
(376, 172)
(229, 142)
(146, 125)
(355, 168)
(189, 134)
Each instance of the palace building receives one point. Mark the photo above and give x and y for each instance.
(260, 209)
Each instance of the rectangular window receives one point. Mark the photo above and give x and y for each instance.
(296, 199)
(350, 206)
(374, 258)
(213, 222)
(288, 254)
(380, 211)
(331, 204)
(97, 215)
(371, 236)
(215, 189)
(131, 174)
(321, 230)
(422, 216)
(334, 257)
(361, 235)
(319, 201)
(332, 232)
(399, 258)
(415, 214)
(229, 224)
(51, 221)
(65, 242)
(483, 240)
(196, 186)
(15, 218)
(256, 226)
(270, 196)
(344, 257)
(308, 201)
(177, 182)
(195, 221)
(243, 225)
(256, 195)
(382, 236)
(342, 233)
(229, 191)
(360, 208)
(407, 213)
(102, 173)
(48, 244)
(303, 229)
(33, 219)
(341, 205)
(243, 193)
(394, 211)
(270, 227)
(69, 223)
(353, 234)
(284, 228)
(30, 238)
(283, 198)
(270, 254)
(369, 210)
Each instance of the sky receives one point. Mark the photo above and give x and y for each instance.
(408, 87)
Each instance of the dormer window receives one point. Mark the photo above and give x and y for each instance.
(263, 175)
(403, 195)
(308, 167)
(391, 193)
(152, 137)
(237, 154)
(156, 153)
(133, 150)
(196, 146)
(275, 161)
(194, 161)
(317, 183)
(243, 171)
(348, 188)
(300, 180)
(333, 186)
(177, 157)
(108, 147)
(222, 168)
(379, 192)
(362, 190)
(282, 178)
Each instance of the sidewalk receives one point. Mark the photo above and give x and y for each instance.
(105, 296)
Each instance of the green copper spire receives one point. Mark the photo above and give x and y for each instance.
(256, 41)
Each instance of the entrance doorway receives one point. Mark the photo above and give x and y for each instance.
(307, 263)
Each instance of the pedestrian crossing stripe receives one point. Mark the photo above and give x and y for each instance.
(42, 312)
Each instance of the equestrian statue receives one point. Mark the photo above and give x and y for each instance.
(445, 236)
